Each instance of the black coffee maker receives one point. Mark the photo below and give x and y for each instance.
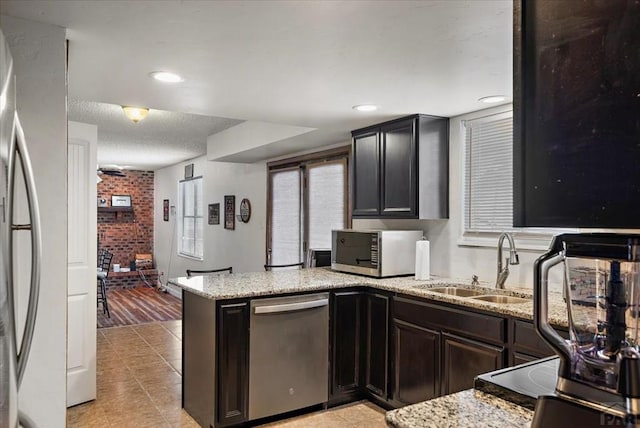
(599, 375)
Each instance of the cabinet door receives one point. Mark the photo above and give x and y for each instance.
(519, 358)
(576, 99)
(233, 363)
(377, 333)
(416, 363)
(399, 169)
(526, 344)
(464, 359)
(346, 340)
(366, 174)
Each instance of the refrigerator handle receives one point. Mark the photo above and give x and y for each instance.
(20, 149)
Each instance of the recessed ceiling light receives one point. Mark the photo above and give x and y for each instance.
(365, 107)
(166, 77)
(491, 99)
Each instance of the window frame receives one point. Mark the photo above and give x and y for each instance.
(301, 162)
(181, 217)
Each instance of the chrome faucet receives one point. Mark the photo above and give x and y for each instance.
(513, 259)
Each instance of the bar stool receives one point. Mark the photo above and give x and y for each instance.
(191, 272)
(267, 268)
(103, 273)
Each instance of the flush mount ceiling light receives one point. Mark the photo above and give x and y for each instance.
(492, 99)
(166, 77)
(365, 107)
(135, 114)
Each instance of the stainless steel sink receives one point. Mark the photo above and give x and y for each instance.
(496, 298)
(455, 291)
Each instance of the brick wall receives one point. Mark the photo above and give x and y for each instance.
(125, 234)
(122, 280)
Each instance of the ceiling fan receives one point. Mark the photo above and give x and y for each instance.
(115, 172)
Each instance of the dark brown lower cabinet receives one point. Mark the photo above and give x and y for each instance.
(518, 358)
(464, 359)
(394, 352)
(376, 344)
(233, 363)
(198, 357)
(526, 344)
(347, 311)
(416, 363)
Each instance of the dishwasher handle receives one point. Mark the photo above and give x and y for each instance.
(289, 307)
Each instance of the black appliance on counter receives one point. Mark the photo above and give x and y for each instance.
(318, 258)
(522, 384)
(599, 366)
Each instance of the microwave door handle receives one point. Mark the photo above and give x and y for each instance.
(20, 149)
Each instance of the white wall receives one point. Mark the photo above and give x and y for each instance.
(447, 257)
(242, 248)
(39, 63)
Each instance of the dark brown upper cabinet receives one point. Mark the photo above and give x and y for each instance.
(576, 113)
(401, 169)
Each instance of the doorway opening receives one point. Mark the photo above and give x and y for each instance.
(125, 229)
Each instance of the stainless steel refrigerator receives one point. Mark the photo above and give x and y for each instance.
(14, 165)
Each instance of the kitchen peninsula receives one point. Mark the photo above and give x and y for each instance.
(376, 329)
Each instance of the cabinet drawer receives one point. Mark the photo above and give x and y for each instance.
(441, 318)
(527, 341)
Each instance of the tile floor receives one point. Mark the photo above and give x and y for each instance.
(361, 414)
(139, 385)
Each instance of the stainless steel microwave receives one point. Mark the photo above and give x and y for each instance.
(377, 253)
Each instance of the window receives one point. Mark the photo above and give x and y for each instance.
(488, 185)
(307, 200)
(190, 218)
(286, 211)
(488, 196)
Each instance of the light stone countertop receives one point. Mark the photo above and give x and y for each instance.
(466, 409)
(262, 284)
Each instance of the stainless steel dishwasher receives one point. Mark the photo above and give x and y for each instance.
(288, 354)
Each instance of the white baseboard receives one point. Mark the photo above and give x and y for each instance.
(174, 291)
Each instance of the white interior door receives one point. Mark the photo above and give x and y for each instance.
(81, 288)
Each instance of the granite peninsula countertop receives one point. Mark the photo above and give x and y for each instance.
(466, 409)
(262, 284)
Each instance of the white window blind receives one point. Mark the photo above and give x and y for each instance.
(190, 218)
(286, 215)
(488, 199)
(326, 198)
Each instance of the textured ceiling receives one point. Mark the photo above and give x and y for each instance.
(300, 63)
(163, 138)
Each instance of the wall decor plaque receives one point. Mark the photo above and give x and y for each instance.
(214, 213)
(121, 200)
(229, 212)
(188, 171)
(165, 209)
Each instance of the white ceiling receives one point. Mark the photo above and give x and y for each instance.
(300, 63)
(163, 138)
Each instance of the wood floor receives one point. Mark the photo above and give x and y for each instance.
(138, 306)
